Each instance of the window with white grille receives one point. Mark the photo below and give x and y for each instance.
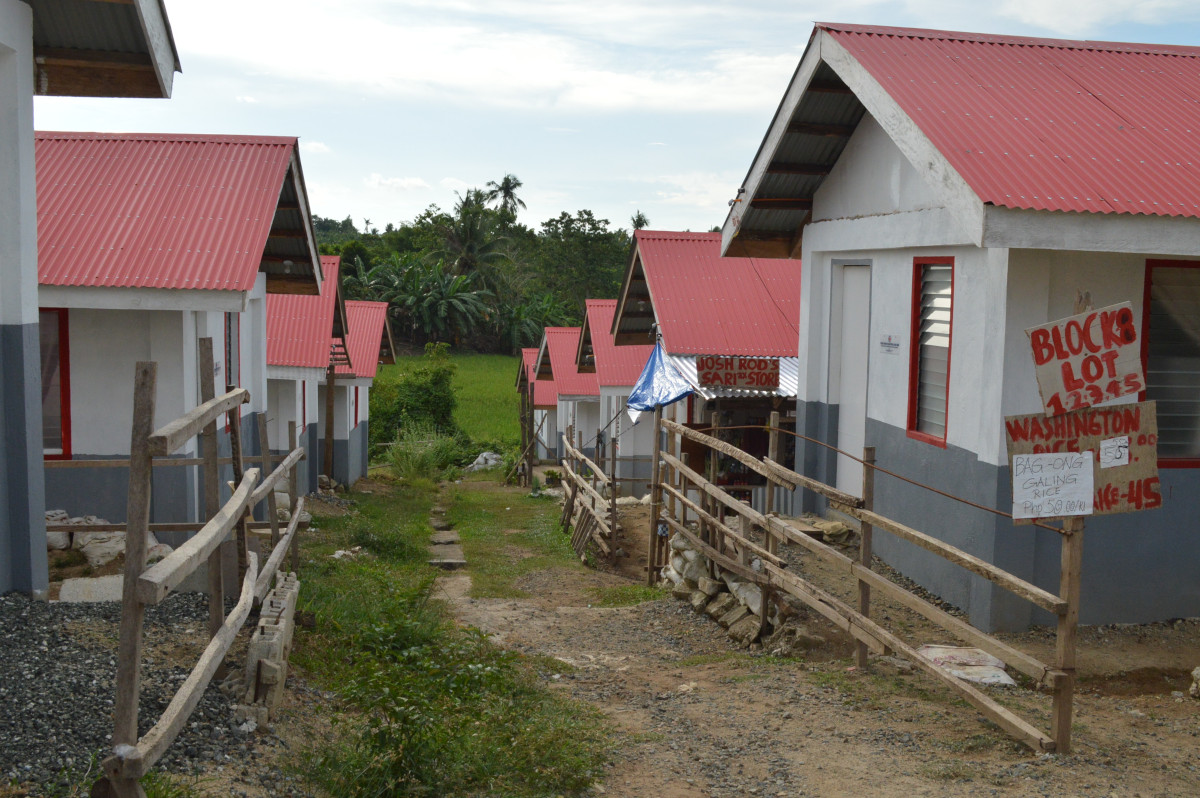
(1172, 344)
(929, 376)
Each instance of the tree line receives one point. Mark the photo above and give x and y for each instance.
(476, 275)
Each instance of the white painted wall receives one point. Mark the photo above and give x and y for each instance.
(286, 387)
(253, 347)
(547, 436)
(105, 347)
(871, 178)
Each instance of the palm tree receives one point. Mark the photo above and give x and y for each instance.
(470, 239)
(438, 303)
(639, 220)
(506, 192)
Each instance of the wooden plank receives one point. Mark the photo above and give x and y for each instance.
(742, 542)
(267, 487)
(583, 484)
(156, 742)
(294, 500)
(1027, 591)
(330, 380)
(159, 462)
(579, 455)
(163, 526)
(652, 563)
(160, 579)
(175, 434)
(728, 449)
(262, 585)
(832, 608)
(864, 546)
(129, 643)
(799, 480)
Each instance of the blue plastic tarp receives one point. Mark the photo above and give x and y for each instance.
(660, 384)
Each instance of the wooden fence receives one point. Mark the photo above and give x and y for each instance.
(132, 757)
(691, 494)
(589, 515)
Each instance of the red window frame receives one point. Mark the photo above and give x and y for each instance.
(64, 382)
(1151, 265)
(355, 424)
(914, 350)
(303, 405)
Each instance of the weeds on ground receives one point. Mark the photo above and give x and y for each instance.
(431, 709)
(507, 534)
(77, 783)
(627, 595)
(422, 451)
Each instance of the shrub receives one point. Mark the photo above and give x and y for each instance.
(423, 396)
(422, 450)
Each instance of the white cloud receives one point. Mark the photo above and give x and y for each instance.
(1084, 17)
(247, 100)
(704, 190)
(314, 147)
(376, 180)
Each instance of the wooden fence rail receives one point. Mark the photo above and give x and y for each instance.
(730, 549)
(591, 515)
(132, 757)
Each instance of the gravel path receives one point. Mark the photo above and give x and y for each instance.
(58, 663)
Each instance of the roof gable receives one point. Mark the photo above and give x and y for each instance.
(367, 336)
(173, 212)
(1004, 122)
(613, 365)
(299, 327)
(704, 304)
(560, 346)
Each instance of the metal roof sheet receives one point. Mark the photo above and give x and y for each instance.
(708, 305)
(789, 380)
(562, 343)
(156, 211)
(299, 326)
(615, 365)
(1048, 124)
(525, 372)
(364, 339)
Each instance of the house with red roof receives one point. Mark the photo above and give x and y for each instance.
(577, 405)
(946, 192)
(617, 369)
(148, 243)
(368, 342)
(729, 326)
(96, 50)
(305, 335)
(541, 398)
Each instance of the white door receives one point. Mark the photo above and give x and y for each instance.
(852, 352)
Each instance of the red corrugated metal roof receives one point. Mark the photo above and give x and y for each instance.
(709, 305)
(615, 365)
(298, 327)
(545, 395)
(156, 211)
(528, 363)
(563, 343)
(1048, 124)
(363, 339)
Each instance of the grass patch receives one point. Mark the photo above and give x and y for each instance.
(627, 595)
(505, 535)
(431, 709)
(488, 405)
(948, 771)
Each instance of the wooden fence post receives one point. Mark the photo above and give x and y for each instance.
(655, 499)
(294, 493)
(330, 379)
(524, 478)
(614, 493)
(711, 505)
(773, 453)
(683, 483)
(129, 645)
(235, 451)
(1068, 622)
(864, 545)
(268, 465)
(212, 493)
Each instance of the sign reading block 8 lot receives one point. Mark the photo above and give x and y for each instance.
(1087, 359)
(761, 373)
(1124, 439)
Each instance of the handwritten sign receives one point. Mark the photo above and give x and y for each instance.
(1114, 452)
(1087, 359)
(1116, 488)
(1052, 485)
(760, 373)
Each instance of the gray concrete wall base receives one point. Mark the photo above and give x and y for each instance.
(23, 564)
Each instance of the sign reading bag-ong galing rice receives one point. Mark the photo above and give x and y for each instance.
(724, 371)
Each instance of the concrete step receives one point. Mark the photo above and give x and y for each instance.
(447, 555)
(443, 537)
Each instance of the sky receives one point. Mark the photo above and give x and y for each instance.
(610, 105)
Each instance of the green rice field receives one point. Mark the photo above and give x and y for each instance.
(485, 386)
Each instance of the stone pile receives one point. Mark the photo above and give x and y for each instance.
(100, 547)
(728, 599)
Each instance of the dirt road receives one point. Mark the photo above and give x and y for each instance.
(700, 717)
